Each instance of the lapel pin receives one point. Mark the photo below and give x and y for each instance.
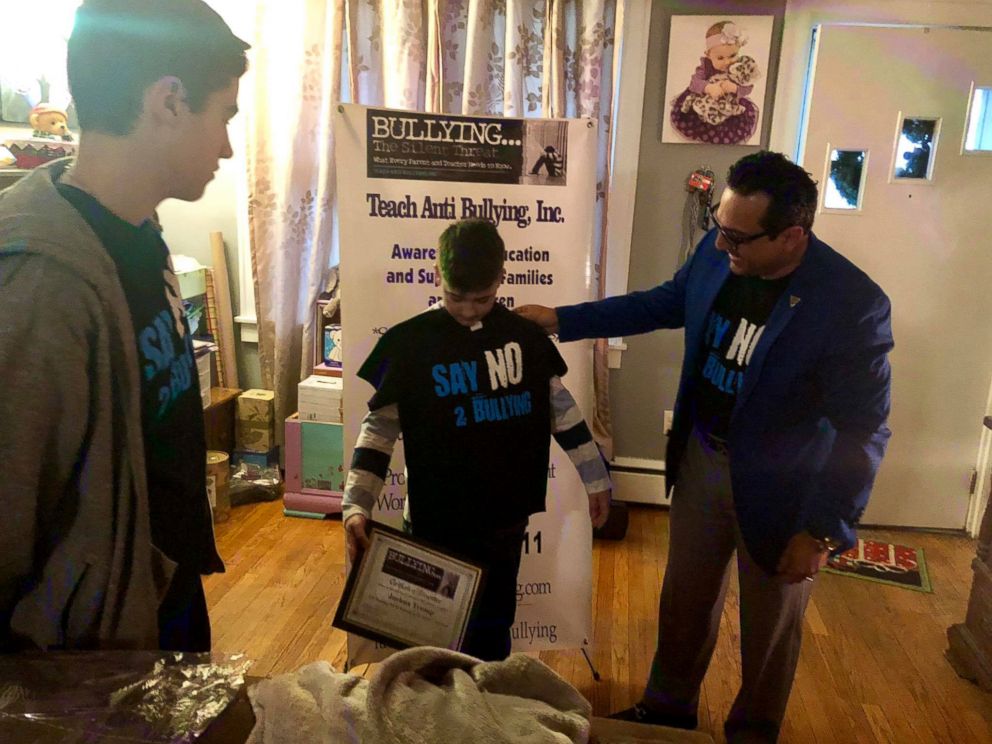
(793, 300)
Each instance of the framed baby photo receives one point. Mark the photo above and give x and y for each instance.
(717, 72)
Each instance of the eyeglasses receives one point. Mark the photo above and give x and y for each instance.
(735, 239)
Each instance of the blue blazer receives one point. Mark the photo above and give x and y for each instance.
(808, 429)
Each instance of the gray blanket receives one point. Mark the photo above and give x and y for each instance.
(422, 696)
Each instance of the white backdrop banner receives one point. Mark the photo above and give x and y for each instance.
(403, 177)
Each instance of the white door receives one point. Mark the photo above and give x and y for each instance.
(928, 243)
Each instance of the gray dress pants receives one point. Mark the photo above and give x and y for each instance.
(703, 538)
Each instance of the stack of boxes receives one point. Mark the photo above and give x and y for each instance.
(320, 399)
(255, 430)
(314, 444)
(315, 471)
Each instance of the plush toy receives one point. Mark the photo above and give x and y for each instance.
(49, 122)
(715, 111)
(332, 292)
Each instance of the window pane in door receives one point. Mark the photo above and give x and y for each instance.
(979, 132)
(916, 147)
(845, 180)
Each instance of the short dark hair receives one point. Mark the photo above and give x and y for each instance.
(120, 47)
(791, 189)
(470, 255)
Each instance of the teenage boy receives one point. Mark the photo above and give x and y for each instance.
(476, 392)
(102, 440)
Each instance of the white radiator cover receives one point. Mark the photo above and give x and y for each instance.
(638, 480)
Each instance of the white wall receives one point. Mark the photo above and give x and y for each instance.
(802, 15)
(187, 225)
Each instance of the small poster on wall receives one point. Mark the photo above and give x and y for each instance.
(717, 69)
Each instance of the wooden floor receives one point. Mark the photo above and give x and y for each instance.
(872, 666)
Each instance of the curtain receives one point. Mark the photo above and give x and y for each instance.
(517, 58)
(294, 81)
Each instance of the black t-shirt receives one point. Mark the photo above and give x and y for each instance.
(475, 413)
(171, 407)
(734, 325)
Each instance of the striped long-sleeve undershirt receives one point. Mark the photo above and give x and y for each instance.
(381, 429)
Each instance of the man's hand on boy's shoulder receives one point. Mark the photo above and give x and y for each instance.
(599, 508)
(356, 541)
(546, 317)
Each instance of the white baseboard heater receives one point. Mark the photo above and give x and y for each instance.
(639, 481)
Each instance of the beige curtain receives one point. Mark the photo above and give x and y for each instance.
(520, 58)
(295, 81)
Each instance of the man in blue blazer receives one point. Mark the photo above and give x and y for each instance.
(779, 429)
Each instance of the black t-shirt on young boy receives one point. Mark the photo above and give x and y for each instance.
(171, 408)
(474, 408)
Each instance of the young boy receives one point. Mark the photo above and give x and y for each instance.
(477, 394)
(102, 441)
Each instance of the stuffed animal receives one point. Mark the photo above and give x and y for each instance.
(717, 110)
(332, 293)
(50, 122)
(744, 71)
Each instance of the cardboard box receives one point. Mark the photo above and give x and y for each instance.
(320, 399)
(256, 421)
(314, 457)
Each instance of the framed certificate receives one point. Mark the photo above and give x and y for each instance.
(406, 592)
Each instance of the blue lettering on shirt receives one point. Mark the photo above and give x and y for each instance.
(461, 378)
(717, 371)
(457, 378)
(159, 357)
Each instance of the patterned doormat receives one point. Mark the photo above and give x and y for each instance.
(885, 563)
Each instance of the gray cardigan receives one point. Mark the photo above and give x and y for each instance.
(77, 565)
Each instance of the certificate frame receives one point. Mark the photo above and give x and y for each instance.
(405, 591)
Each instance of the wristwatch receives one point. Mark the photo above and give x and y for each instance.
(827, 544)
